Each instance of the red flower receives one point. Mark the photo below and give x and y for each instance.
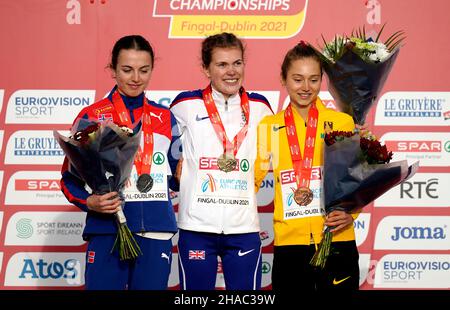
(373, 151)
(82, 136)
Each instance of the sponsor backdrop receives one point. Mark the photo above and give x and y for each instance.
(54, 57)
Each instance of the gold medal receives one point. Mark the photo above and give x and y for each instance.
(226, 162)
(303, 196)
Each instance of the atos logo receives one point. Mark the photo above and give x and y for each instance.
(414, 146)
(418, 233)
(55, 270)
(419, 189)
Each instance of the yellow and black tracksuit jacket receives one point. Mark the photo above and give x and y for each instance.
(273, 146)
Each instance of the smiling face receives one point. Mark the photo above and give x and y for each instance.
(303, 81)
(132, 72)
(226, 70)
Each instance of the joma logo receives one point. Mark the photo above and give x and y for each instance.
(418, 233)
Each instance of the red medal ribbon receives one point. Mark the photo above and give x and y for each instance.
(302, 167)
(216, 121)
(142, 160)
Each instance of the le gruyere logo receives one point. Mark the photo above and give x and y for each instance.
(245, 18)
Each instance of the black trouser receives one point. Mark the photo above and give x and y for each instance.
(292, 272)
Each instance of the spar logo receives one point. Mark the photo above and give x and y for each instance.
(245, 18)
(414, 146)
(37, 185)
(209, 184)
(35, 188)
(158, 158)
(267, 264)
(288, 176)
(429, 148)
(210, 163)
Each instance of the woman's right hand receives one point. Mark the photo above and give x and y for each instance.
(179, 170)
(108, 203)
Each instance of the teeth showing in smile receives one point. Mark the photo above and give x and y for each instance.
(231, 80)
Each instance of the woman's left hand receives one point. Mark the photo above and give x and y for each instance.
(338, 219)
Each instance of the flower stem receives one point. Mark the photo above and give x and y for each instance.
(320, 257)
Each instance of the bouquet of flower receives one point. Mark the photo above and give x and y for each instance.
(357, 170)
(357, 68)
(103, 156)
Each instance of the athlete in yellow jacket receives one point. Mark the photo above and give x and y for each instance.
(298, 228)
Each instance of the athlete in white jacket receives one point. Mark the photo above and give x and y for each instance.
(217, 213)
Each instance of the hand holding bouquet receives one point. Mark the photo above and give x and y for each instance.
(103, 156)
(357, 170)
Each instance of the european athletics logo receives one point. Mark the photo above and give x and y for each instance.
(210, 183)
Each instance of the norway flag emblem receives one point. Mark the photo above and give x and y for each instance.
(91, 257)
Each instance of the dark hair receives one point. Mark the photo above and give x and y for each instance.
(221, 40)
(131, 42)
(301, 50)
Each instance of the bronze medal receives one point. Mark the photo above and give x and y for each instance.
(144, 183)
(226, 162)
(303, 196)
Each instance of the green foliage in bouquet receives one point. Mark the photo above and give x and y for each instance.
(366, 48)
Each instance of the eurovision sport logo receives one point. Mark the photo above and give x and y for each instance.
(413, 271)
(245, 18)
(42, 106)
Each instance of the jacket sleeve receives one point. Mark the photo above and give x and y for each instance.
(71, 185)
(263, 154)
(174, 153)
